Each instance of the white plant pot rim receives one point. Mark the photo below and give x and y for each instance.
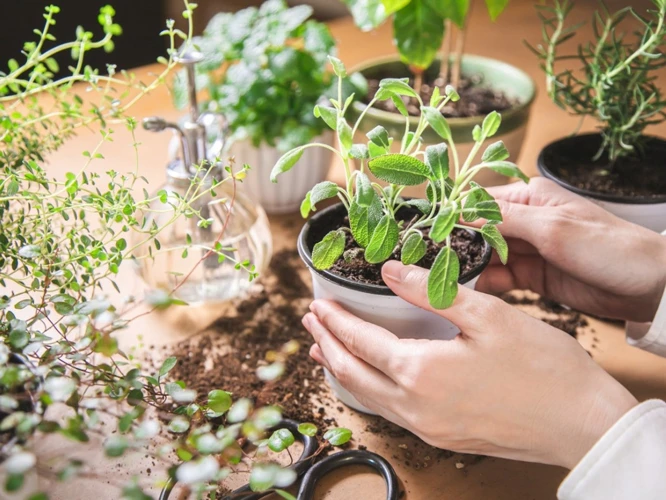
(372, 289)
(619, 199)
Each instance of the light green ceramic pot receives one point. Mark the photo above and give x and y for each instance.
(515, 83)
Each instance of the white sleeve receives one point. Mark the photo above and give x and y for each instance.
(650, 337)
(627, 463)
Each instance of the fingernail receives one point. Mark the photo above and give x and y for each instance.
(306, 321)
(313, 307)
(393, 271)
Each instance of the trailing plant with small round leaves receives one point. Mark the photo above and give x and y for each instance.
(62, 243)
(616, 84)
(422, 29)
(453, 198)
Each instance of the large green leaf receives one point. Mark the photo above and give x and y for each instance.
(286, 162)
(391, 6)
(399, 86)
(365, 194)
(495, 152)
(495, 239)
(418, 30)
(455, 10)
(379, 136)
(399, 169)
(322, 191)
(437, 122)
(383, 240)
(368, 14)
(364, 220)
(496, 7)
(413, 249)
(328, 251)
(444, 222)
(437, 158)
(443, 279)
(328, 114)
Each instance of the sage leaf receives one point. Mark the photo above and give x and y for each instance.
(495, 239)
(399, 169)
(488, 210)
(444, 222)
(338, 67)
(507, 168)
(364, 220)
(398, 86)
(379, 136)
(383, 241)
(374, 151)
(306, 205)
(400, 105)
(437, 158)
(365, 194)
(323, 191)
(437, 121)
(345, 134)
(495, 152)
(328, 251)
(491, 124)
(476, 195)
(413, 249)
(286, 162)
(424, 206)
(328, 114)
(359, 151)
(443, 279)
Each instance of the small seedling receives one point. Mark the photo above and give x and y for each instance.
(453, 198)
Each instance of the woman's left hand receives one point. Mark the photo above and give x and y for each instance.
(509, 386)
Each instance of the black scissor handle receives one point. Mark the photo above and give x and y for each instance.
(345, 459)
(303, 463)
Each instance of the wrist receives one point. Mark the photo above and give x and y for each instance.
(659, 282)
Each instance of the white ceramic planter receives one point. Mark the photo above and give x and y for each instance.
(377, 304)
(285, 196)
(644, 211)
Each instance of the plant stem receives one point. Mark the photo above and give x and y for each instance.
(445, 53)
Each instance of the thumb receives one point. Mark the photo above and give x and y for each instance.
(473, 312)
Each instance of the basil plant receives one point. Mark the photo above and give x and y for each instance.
(453, 198)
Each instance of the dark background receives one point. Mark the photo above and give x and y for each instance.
(141, 20)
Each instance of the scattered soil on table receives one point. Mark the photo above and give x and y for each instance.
(641, 176)
(476, 98)
(228, 353)
(468, 246)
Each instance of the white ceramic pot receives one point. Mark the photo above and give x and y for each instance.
(649, 212)
(375, 304)
(286, 195)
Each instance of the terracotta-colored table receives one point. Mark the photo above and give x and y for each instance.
(644, 374)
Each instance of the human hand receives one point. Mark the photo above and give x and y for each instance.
(568, 249)
(509, 386)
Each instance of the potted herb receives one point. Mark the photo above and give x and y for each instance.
(620, 167)
(63, 242)
(264, 70)
(345, 245)
(430, 56)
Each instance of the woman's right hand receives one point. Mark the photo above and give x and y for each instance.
(570, 250)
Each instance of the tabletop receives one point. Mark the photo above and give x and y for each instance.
(456, 477)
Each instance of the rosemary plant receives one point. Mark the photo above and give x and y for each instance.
(615, 81)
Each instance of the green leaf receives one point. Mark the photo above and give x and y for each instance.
(507, 168)
(307, 429)
(413, 249)
(443, 279)
(286, 162)
(338, 67)
(437, 122)
(476, 133)
(338, 436)
(495, 239)
(496, 7)
(368, 14)
(364, 220)
(115, 446)
(306, 205)
(219, 401)
(399, 169)
(400, 105)
(359, 151)
(437, 158)
(422, 205)
(328, 114)
(455, 10)
(383, 241)
(418, 32)
(444, 222)
(345, 134)
(379, 136)
(392, 6)
(329, 250)
(284, 494)
(374, 151)
(280, 440)
(495, 152)
(323, 191)
(487, 209)
(167, 365)
(365, 194)
(491, 124)
(399, 86)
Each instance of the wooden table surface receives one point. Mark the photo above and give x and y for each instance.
(643, 373)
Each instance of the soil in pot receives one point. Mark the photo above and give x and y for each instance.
(476, 98)
(640, 176)
(353, 266)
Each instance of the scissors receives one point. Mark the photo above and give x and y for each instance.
(310, 472)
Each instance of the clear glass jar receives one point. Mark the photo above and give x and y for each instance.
(178, 264)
